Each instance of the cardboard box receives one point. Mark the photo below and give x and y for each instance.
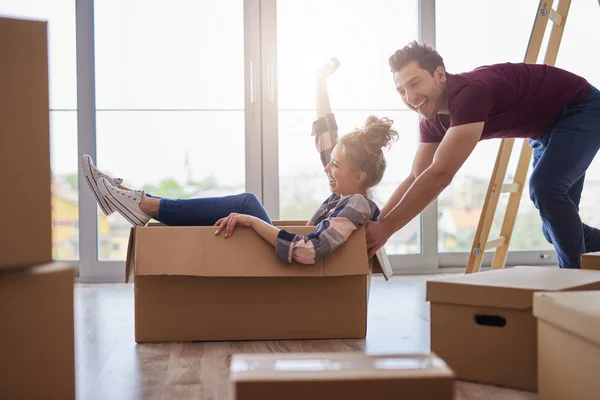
(37, 359)
(591, 261)
(568, 345)
(482, 324)
(26, 227)
(192, 285)
(348, 376)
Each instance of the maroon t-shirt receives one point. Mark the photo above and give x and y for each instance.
(515, 100)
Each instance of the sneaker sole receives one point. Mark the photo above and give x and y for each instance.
(93, 184)
(123, 210)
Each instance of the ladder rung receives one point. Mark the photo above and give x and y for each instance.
(494, 244)
(556, 17)
(510, 188)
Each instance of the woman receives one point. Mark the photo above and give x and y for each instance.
(353, 166)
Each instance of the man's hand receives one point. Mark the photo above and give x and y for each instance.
(229, 222)
(377, 234)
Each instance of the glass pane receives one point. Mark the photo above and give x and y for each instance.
(180, 56)
(339, 28)
(65, 196)
(170, 116)
(459, 207)
(60, 15)
(175, 154)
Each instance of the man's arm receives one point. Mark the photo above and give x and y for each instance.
(453, 151)
(422, 161)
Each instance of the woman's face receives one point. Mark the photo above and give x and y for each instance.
(343, 178)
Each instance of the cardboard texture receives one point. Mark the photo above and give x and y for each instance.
(568, 345)
(326, 376)
(591, 261)
(482, 324)
(192, 285)
(26, 227)
(37, 359)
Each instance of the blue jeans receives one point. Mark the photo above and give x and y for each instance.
(207, 211)
(561, 158)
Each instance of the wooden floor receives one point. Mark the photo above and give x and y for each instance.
(110, 365)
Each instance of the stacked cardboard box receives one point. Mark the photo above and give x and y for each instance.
(482, 324)
(340, 376)
(590, 261)
(568, 345)
(36, 295)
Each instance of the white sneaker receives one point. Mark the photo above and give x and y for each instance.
(125, 202)
(92, 175)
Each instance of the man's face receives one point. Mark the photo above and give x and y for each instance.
(419, 90)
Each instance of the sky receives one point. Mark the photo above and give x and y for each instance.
(188, 57)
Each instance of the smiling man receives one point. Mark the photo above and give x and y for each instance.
(557, 111)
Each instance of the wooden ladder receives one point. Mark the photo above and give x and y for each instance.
(515, 188)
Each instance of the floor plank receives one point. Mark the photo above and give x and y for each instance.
(110, 365)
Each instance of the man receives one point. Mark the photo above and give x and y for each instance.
(557, 111)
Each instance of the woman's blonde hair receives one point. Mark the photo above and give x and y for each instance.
(364, 147)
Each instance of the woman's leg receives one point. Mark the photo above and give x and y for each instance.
(202, 211)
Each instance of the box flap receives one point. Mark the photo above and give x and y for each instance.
(335, 366)
(197, 251)
(576, 312)
(349, 259)
(509, 287)
(130, 252)
(290, 223)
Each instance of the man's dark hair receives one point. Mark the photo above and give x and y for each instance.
(424, 54)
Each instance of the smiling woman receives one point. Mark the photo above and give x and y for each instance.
(362, 35)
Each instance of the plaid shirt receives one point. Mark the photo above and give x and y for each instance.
(335, 219)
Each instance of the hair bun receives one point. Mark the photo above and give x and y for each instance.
(371, 120)
(378, 133)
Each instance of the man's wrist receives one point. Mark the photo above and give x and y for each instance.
(388, 226)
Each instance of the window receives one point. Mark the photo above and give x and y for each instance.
(60, 15)
(362, 36)
(169, 102)
(470, 33)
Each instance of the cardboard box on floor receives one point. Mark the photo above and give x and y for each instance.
(590, 261)
(327, 376)
(26, 227)
(568, 345)
(37, 359)
(191, 285)
(482, 324)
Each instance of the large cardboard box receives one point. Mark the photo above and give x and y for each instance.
(192, 285)
(568, 345)
(347, 376)
(37, 358)
(590, 261)
(482, 324)
(26, 227)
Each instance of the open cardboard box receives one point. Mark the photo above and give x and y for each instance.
(568, 345)
(192, 285)
(327, 376)
(483, 326)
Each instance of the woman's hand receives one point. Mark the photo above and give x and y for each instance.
(229, 222)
